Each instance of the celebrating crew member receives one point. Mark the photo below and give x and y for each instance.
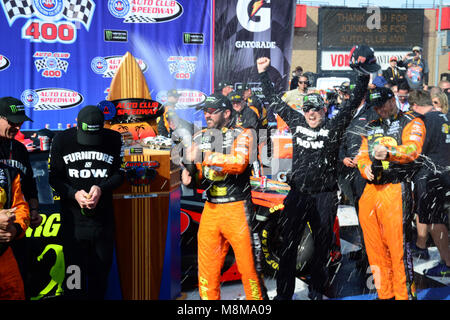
(386, 160)
(15, 154)
(432, 183)
(313, 193)
(85, 167)
(14, 220)
(228, 214)
(245, 117)
(254, 103)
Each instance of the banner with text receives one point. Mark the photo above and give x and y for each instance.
(60, 55)
(247, 29)
(390, 32)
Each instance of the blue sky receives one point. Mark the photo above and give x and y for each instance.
(380, 3)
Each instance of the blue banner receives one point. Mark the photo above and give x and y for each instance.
(60, 55)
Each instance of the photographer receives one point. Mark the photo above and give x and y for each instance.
(416, 69)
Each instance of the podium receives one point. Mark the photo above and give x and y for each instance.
(148, 229)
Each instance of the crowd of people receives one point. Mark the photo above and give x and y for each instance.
(384, 149)
(368, 146)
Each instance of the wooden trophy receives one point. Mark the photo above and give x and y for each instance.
(147, 205)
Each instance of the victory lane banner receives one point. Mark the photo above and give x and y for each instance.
(62, 54)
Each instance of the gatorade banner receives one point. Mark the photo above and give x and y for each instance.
(60, 55)
(247, 29)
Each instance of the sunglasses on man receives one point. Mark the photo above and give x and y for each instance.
(303, 82)
(211, 110)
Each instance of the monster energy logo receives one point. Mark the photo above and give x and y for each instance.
(374, 96)
(15, 109)
(116, 36)
(87, 127)
(193, 38)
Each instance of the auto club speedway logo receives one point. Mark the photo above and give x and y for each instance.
(51, 63)
(51, 98)
(108, 66)
(50, 20)
(145, 11)
(181, 68)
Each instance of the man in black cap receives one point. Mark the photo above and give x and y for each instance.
(219, 161)
(389, 147)
(244, 116)
(14, 154)
(254, 103)
(313, 180)
(170, 121)
(225, 88)
(84, 168)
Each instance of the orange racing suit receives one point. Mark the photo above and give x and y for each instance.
(385, 207)
(228, 213)
(11, 196)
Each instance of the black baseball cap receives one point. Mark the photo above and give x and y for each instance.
(217, 101)
(90, 122)
(362, 58)
(13, 110)
(236, 96)
(313, 100)
(378, 96)
(224, 84)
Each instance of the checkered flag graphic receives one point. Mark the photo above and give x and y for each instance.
(79, 10)
(45, 106)
(17, 8)
(187, 67)
(62, 65)
(40, 64)
(109, 73)
(138, 19)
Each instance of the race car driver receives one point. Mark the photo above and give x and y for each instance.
(386, 160)
(313, 193)
(227, 216)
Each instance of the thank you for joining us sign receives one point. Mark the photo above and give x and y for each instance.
(375, 27)
(391, 32)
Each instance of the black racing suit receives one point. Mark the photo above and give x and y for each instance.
(88, 236)
(432, 182)
(313, 194)
(14, 154)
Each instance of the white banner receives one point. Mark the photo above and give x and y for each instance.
(339, 60)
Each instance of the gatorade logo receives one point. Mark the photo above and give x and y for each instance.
(253, 15)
